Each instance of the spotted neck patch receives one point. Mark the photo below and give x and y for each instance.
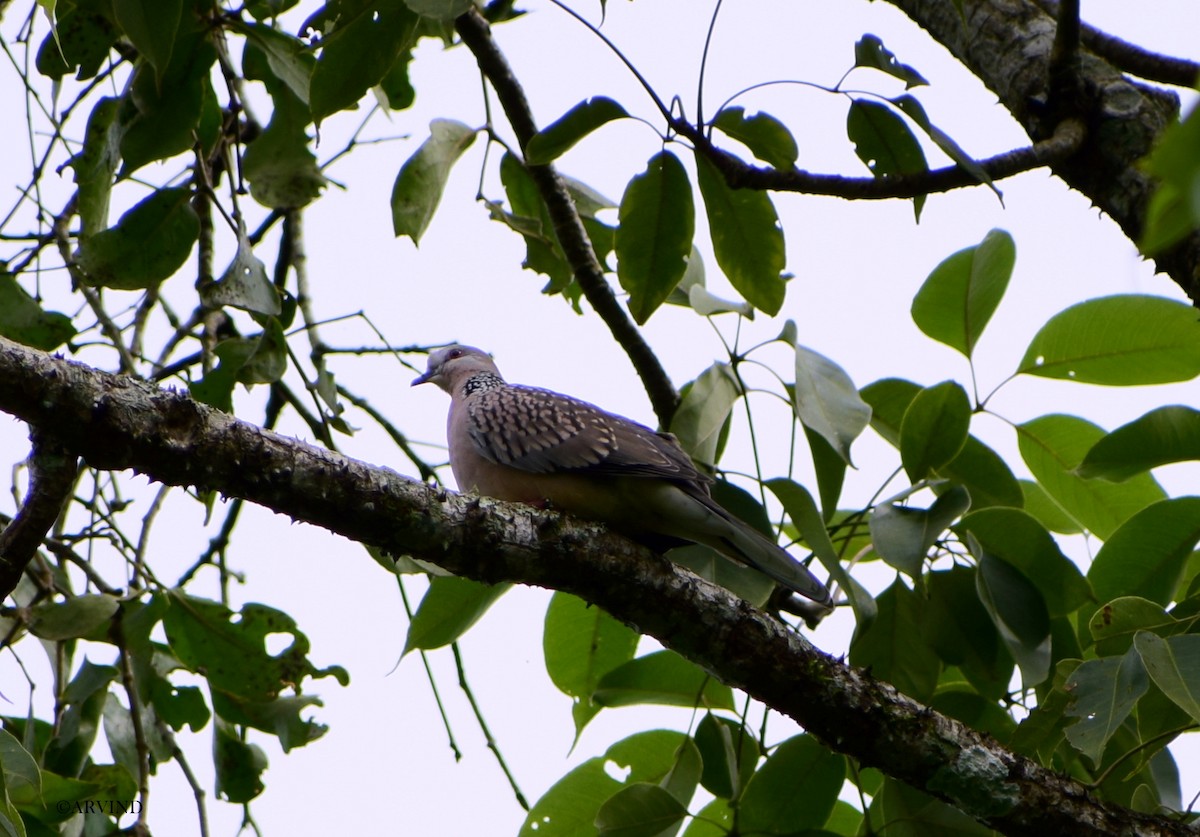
(482, 382)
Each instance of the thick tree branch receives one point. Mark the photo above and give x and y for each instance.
(52, 472)
(1067, 138)
(1131, 58)
(122, 423)
(568, 227)
(1008, 45)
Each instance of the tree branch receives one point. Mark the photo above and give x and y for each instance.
(1008, 45)
(117, 422)
(52, 472)
(476, 34)
(1067, 138)
(1131, 58)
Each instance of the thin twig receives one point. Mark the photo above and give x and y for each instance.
(487, 733)
(401, 441)
(437, 697)
(476, 34)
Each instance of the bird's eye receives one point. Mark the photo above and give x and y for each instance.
(454, 354)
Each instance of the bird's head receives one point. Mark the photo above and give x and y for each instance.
(450, 366)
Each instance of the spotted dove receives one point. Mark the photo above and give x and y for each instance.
(535, 446)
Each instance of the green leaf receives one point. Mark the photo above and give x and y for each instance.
(978, 467)
(20, 768)
(985, 474)
(914, 111)
(891, 647)
(730, 755)
(870, 52)
(1019, 614)
(654, 234)
(267, 360)
(286, 56)
(422, 179)
(1169, 218)
(827, 402)
(239, 765)
(581, 643)
(959, 628)
(1174, 209)
(67, 753)
(570, 807)
(746, 236)
(896, 810)
(395, 90)
(81, 37)
(440, 10)
(830, 470)
(1147, 555)
(767, 138)
(244, 284)
(1018, 539)
(550, 143)
(882, 140)
(247, 360)
(361, 41)
(166, 111)
(230, 648)
(684, 777)
(885, 144)
(663, 678)
(96, 164)
(151, 26)
(714, 820)
(76, 617)
(1046, 511)
(282, 170)
(903, 536)
(1114, 625)
(1174, 665)
(1053, 446)
(801, 508)
(531, 219)
(888, 399)
(23, 320)
(639, 810)
(958, 299)
(1168, 434)
(794, 790)
(706, 406)
(148, 244)
(1104, 693)
(450, 607)
(1122, 340)
(743, 581)
(934, 428)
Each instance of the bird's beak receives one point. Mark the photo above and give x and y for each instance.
(422, 379)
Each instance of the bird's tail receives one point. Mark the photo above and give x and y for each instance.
(746, 545)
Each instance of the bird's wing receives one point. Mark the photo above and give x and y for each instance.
(542, 432)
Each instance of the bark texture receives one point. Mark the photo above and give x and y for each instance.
(1008, 45)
